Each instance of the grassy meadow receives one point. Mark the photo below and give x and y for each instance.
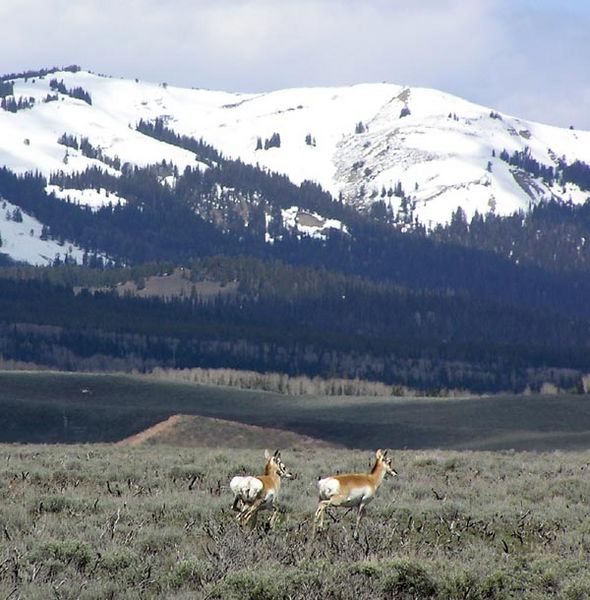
(108, 522)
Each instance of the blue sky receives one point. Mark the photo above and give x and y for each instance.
(525, 57)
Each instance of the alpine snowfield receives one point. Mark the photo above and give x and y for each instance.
(359, 142)
(23, 239)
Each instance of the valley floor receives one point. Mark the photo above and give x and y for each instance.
(46, 407)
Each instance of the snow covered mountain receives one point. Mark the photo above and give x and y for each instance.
(415, 149)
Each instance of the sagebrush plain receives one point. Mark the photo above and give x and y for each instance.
(107, 522)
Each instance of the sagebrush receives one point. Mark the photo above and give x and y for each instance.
(99, 522)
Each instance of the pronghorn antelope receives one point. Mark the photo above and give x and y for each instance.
(252, 494)
(355, 489)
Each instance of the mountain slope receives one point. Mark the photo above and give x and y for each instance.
(360, 141)
(23, 238)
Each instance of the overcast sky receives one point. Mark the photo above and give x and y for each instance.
(530, 58)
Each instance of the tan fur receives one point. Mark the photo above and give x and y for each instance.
(271, 482)
(352, 489)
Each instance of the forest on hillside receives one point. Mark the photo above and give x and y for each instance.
(292, 320)
(159, 223)
(495, 303)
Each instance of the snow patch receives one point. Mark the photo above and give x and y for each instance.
(94, 198)
(22, 240)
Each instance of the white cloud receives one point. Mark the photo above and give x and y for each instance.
(566, 107)
(517, 55)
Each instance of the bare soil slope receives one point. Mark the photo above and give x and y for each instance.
(193, 431)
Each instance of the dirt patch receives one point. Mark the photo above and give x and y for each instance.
(176, 284)
(193, 431)
(308, 220)
(527, 183)
(156, 431)
(404, 95)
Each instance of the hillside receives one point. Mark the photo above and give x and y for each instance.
(419, 153)
(191, 431)
(168, 241)
(131, 171)
(86, 408)
(289, 320)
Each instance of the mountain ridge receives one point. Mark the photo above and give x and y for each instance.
(354, 140)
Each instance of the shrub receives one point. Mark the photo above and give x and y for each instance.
(191, 573)
(65, 552)
(55, 504)
(251, 585)
(118, 560)
(408, 581)
(470, 586)
(156, 541)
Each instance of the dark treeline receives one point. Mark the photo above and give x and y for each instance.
(13, 105)
(77, 92)
(553, 236)
(6, 88)
(524, 160)
(38, 72)
(158, 130)
(496, 303)
(334, 327)
(153, 225)
(577, 172)
(90, 151)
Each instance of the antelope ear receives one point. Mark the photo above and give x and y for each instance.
(277, 453)
(385, 453)
(379, 453)
(266, 454)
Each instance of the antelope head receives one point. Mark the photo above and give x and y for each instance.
(385, 461)
(274, 462)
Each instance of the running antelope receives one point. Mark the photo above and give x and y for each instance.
(252, 494)
(355, 489)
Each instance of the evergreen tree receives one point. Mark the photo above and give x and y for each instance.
(77, 92)
(6, 88)
(58, 86)
(68, 140)
(273, 142)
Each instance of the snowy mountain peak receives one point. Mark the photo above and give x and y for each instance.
(420, 152)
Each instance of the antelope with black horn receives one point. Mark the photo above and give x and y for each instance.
(255, 493)
(353, 489)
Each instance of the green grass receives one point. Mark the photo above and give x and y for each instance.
(105, 522)
(53, 408)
